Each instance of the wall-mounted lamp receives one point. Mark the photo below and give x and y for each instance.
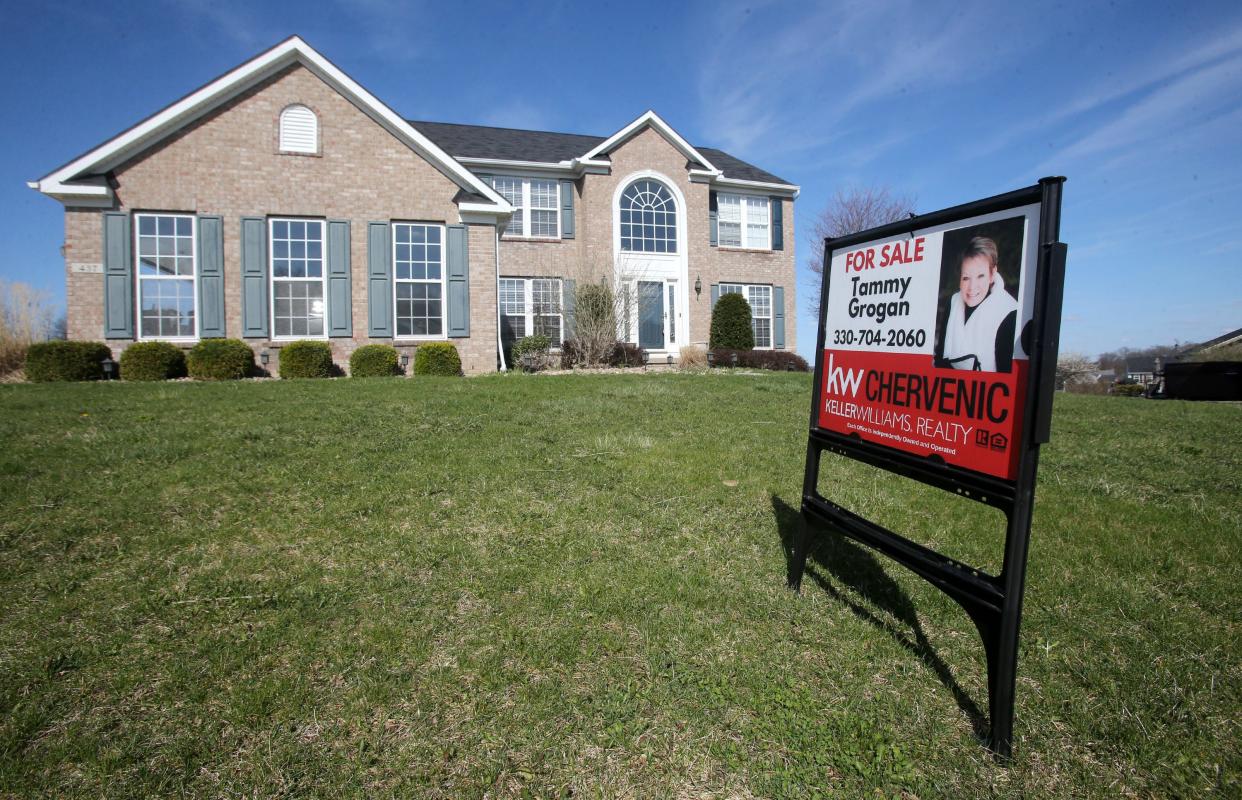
(109, 367)
(698, 285)
(264, 356)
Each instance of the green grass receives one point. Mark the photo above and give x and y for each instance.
(548, 587)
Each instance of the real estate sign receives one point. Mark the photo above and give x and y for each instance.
(923, 348)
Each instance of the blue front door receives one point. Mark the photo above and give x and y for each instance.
(651, 315)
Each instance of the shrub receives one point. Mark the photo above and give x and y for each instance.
(152, 361)
(731, 323)
(220, 360)
(373, 361)
(596, 308)
(1128, 389)
(306, 358)
(437, 358)
(47, 362)
(532, 353)
(570, 354)
(626, 354)
(781, 360)
(693, 357)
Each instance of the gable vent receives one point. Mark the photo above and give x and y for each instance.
(299, 130)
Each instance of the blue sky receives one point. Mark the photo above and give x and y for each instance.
(1138, 104)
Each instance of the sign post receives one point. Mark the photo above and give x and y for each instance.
(938, 340)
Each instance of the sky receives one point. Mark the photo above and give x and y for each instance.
(1139, 105)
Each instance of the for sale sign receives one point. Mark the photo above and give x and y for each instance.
(924, 340)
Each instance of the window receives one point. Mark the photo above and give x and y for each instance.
(166, 276)
(299, 130)
(739, 216)
(418, 273)
(648, 218)
(297, 278)
(760, 299)
(530, 306)
(536, 206)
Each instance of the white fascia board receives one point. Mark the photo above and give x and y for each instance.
(653, 119)
(776, 188)
(562, 166)
(194, 105)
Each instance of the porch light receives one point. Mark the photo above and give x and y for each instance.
(264, 356)
(109, 367)
(698, 285)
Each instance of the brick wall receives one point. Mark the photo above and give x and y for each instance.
(228, 164)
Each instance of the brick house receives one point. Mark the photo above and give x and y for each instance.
(283, 201)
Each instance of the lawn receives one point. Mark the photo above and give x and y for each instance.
(521, 586)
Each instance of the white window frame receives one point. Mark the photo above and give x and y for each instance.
(528, 304)
(744, 221)
(522, 206)
(139, 277)
(442, 336)
(271, 277)
(744, 290)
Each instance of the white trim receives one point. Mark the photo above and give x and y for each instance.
(528, 304)
(524, 182)
(295, 122)
(625, 276)
(174, 117)
(784, 189)
(139, 277)
(649, 118)
(744, 222)
(271, 278)
(771, 316)
(426, 337)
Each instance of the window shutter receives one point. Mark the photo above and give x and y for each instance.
(715, 294)
(458, 273)
(567, 209)
(778, 223)
(118, 277)
(379, 281)
(778, 317)
(713, 234)
(254, 277)
(568, 307)
(340, 300)
(211, 277)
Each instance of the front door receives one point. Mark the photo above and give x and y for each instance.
(651, 315)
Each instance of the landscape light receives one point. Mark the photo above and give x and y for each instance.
(263, 357)
(108, 367)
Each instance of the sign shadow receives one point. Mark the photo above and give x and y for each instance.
(838, 566)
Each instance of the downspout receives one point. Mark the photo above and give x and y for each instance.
(500, 348)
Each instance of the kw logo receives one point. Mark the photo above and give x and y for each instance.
(843, 381)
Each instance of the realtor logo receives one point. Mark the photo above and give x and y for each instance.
(999, 441)
(992, 441)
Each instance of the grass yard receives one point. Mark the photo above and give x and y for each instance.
(521, 586)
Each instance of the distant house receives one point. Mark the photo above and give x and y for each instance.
(284, 201)
(1231, 340)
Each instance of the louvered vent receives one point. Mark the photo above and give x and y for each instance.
(299, 130)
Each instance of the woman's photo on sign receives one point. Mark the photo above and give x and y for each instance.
(976, 322)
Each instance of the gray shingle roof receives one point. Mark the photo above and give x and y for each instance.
(511, 144)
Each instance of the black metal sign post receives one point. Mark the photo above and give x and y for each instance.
(993, 603)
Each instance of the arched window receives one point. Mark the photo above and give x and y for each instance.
(648, 218)
(299, 130)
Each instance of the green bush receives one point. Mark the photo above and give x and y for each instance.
(152, 361)
(532, 352)
(220, 360)
(626, 354)
(780, 360)
(373, 361)
(731, 323)
(1128, 390)
(437, 358)
(306, 358)
(47, 362)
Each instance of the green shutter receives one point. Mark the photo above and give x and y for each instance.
(118, 277)
(458, 274)
(254, 277)
(715, 294)
(567, 209)
(568, 307)
(778, 317)
(778, 223)
(713, 226)
(340, 300)
(379, 281)
(211, 324)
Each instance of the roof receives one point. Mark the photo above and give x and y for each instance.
(513, 144)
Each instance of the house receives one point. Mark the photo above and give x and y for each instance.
(284, 201)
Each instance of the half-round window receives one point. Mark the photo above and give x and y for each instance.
(299, 130)
(648, 218)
